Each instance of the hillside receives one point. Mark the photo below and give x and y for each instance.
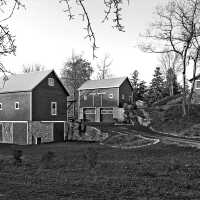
(167, 116)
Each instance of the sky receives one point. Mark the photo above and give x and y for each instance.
(45, 36)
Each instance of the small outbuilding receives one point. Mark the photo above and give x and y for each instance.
(103, 100)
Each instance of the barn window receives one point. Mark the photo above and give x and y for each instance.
(198, 84)
(16, 105)
(53, 108)
(1, 108)
(50, 81)
(111, 95)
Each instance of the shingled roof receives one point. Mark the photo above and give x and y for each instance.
(24, 82)
(104, 83)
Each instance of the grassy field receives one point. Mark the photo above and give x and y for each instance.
(92, 171)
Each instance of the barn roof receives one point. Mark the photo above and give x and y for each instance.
(104, 83)
(23, 82)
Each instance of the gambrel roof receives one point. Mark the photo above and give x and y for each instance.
(24, 82)
(104, 83)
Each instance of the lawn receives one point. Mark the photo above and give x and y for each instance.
(155, 172)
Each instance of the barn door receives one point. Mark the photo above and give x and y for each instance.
(58, 131)
(107, 114)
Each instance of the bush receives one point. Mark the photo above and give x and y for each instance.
(17, 155)
(91, 157)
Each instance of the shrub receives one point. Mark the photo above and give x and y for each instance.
(17, 155)
(91, 157)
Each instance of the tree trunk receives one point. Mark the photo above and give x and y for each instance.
(184, 92)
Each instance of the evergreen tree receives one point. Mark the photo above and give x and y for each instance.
(157, 87)
(139, 87)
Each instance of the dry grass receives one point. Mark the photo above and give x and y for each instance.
(156, 172)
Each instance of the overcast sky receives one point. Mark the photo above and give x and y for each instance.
(44, 35)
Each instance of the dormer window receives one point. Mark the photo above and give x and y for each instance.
(16, 105)
(197, 84)
(51, 82)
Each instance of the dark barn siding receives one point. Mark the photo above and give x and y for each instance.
(8, 113)
(1, 133)
(20, 133)
(43, 95)
(126, 90)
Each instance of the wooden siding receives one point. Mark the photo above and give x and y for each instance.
(99, 98)
(126, 90)
(9, 113)
(42, 97)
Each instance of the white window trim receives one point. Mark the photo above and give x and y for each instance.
(196, 84)
(16, 102)
(52, 113)
(51, 82)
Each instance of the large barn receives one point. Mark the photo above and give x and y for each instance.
(32, 108)
(103, 100)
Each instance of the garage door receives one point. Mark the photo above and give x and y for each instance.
(89, 114)
(106, 114)
(20, 133)
(58, 131)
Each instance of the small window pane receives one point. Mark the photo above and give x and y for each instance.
(111, 96)
(17, 105)
(1, 106)
(50, 81)
(198, 84)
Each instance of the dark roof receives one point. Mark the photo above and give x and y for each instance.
(24, 82)
(104, 83)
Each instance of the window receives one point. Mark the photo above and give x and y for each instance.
(111, 96)
(1, 108)
(85, 97)
(198, 84)
(16, 105)
(50, 81)
(53, 108)
(123, 96)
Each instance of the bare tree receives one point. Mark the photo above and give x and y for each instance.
(104, 68)
(33, 68)
(174, 31)
(170, 66)
(7, 40)
(113, 10)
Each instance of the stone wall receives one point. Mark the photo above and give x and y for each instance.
(40, 131)
(7, 132)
